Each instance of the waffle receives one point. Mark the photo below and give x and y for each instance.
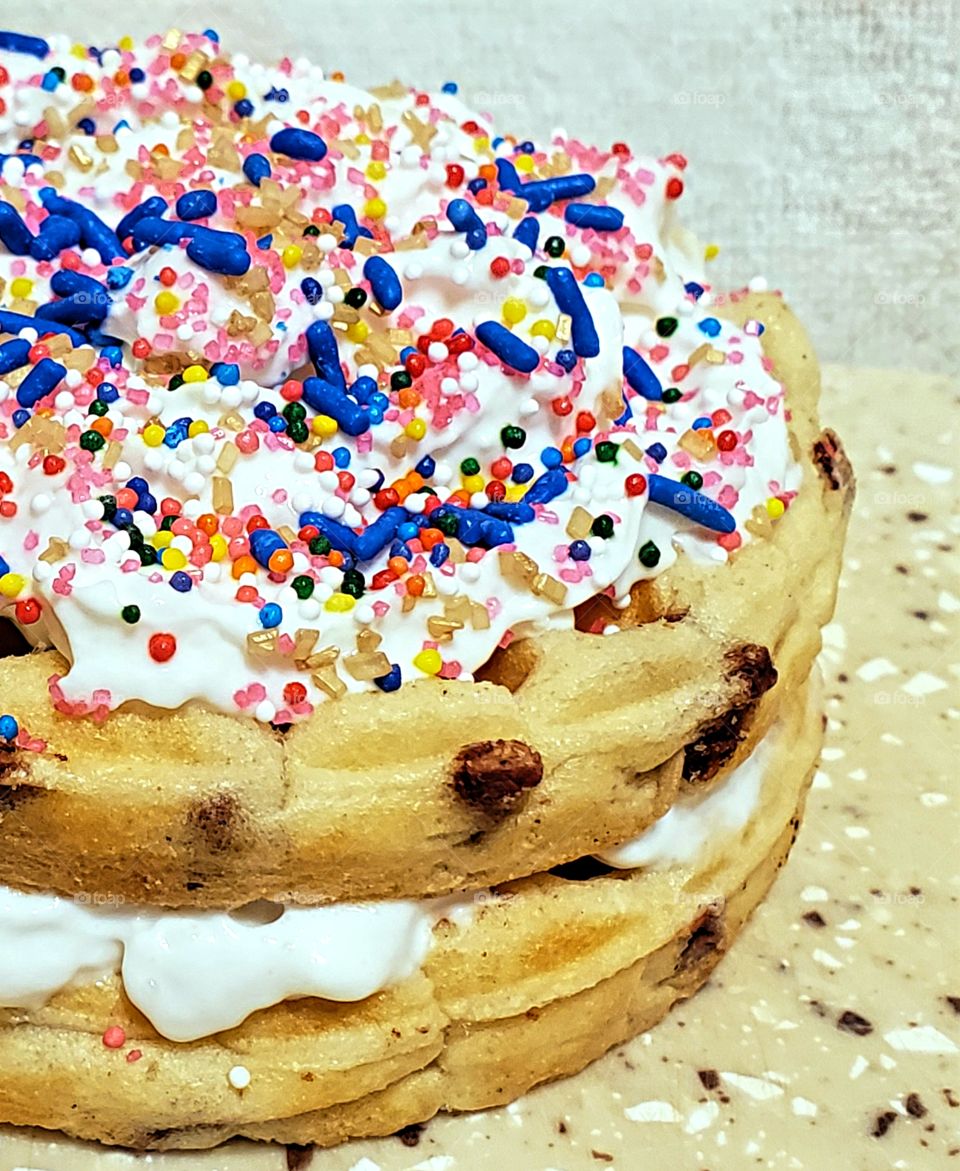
(195, 808)
(547, 976)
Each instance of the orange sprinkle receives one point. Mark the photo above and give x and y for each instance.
(208, 523)
(335, 557)
(398, 565)
(281, 561)
(178, 60)
(416, 585)
(242, 565)
(430, 537)
(410, 397)
(104, 426)
(488, 171)
(414, 480)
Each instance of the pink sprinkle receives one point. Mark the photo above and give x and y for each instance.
(114, 1037)
(31, 540)
(93, 556)
(133, 1055)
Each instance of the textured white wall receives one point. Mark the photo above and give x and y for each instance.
(823, 136)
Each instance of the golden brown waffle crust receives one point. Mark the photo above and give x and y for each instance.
(581, 744)
(547, 976)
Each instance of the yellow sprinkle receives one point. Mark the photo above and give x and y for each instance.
(174, 559)
(481, 143)
(291, 255)
(125, 43)
(376, 170)
(166, 302)
(375, 209)
(153, 435)
(473, 483)
(324, 425)
(357, 332)
(161, 539)
(516, 492)
(362, 139)
(195, 374)
(198, 427)
(340, 603)
(11, 584)
(514, 310)
(543, 328)
(415, 429)
(21, 286)
(524, 163)
(711, 251)
(78, 51)
(775, 507)
(429, 662)
(218, 547)
(236, 90)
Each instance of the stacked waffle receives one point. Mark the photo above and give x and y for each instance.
(421, 571)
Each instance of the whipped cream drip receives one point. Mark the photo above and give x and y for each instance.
(213, 625)
(195, 973)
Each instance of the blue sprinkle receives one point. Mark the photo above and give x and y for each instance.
(567, 359)
(243, 108)
(657, 452)
(265, 411)
(123, 517)
(9, 726)
(324, 354)
(4, 566)
(551, 457)
(113, 354)
(277, 423)
(512, 350)
(222, 252)
(14, 322)
(212, 35)
(476, 185)
(592, 215)
(256, 168)
(548, 486)
(264, 543)
(710, 326)
(345, 214)
(569, 298)
(327, 399)
(690, 503)
(108, 393)
(507, 176)
(312, 290)
(147, 503)
(153, 207)
(407, 531)
(14, 354)
(701, 423)
(582, 446)
(50, 82)
(137, 75)
(593, 280)
(270, 615)
(695, 290)
(67, 283)
(439, 554)
(450, 87)
(20, 43)
(465, 219)
(528, 232)
(640, 377)
(87, 125)
(384, 282)
(14, 233)
(540, 193)
(363, 389)
(42, 379)
(341, 456)
(392, 680)
(119, 276)
(196, 205)
(265, 243)
(94, 233)
(20, 417)
(522, 473)
(296, 143)
(426, 467)
(580, 551)
(137, 484)
(228, 373)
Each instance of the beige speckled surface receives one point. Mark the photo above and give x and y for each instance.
(756, 1071)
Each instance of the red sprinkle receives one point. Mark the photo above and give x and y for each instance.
(674, 188)
(114, 1037)
(162, 647)
(294, 693)
(133, 1056)
(636, 484)
(27, 611)
(52, 464)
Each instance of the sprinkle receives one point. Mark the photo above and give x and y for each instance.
(510, 349)
(239, 1077)
(114, 1037)
(591, 215)
(569, 298)
(691, 504)
(298, 144)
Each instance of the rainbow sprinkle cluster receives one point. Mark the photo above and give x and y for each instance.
(306, 390)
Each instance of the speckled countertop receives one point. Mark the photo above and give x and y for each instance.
(830, 1036)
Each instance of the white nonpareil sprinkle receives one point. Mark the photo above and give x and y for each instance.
(239, 1077)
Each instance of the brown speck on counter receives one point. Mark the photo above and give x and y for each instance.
(882, 1123)
(410, 1135)
(814, 918)
(853, 1022)
(914, 1106)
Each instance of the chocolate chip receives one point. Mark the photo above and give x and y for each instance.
(493, 775)
(217, 820)
(914, 1106)
(750, 663)
(706, 938)
(883, 1123)
(410, 1135)
(831, 460)
(298, 1158)
(852, 1022)
(709, 1078)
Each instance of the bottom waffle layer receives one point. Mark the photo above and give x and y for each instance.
(544, 977)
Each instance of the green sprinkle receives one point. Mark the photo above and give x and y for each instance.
(649, 555)
(303, 586)
(469, 466)
(513, 437)
(607, 452)
(130, 614)
(602, 526)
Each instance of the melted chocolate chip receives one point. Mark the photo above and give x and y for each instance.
(299, 1158)
(410, 1135)
(217, 820)
(831, 460)
(493, 775)
(706, 938)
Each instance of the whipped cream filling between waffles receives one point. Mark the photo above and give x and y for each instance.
(345, 388)
(195, 973)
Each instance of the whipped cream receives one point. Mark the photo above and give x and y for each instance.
(196, 360)
(196, 973)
